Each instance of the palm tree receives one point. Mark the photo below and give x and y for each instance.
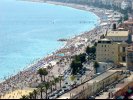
(51, 85)
(45, 73)
(46, 85)
(40, 72)
(35, 94)
(31, 95)
(60, 79)
(41, 89)
(56, 80)
(24, 97)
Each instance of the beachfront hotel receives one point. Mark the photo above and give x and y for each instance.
(113, 47)
(109, 51)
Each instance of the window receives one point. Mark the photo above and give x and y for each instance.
(123, 59)
(123, 49)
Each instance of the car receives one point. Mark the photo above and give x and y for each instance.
(57, 91)
(69, 87)
(54, 97)
(66, 83)
(51, 98)
(98, 73)
(97, 94)
(64, 87)
(91, 97)
(77, 78)
(60, 93)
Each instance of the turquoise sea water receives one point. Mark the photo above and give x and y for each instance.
(29, 31)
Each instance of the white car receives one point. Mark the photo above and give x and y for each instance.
(61, 92)
(54, 97)
(51, 98)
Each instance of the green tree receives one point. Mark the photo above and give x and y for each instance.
(72, 78)
(46, 86)
(41, 90)
(45, 73)
(42, 72)
(81, 57)
(60, 79)
(51, 85)
(96, 65)
(31, 95)
(76, 66)
(56, 80)
(125, 17)
(91, 50)
(24, 97)
(35, 94)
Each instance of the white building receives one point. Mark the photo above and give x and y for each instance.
(132, 4)
(125, 4)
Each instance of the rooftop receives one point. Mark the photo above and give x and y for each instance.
(130, 21)
(118, 33)
(103, 76)
(105, 39)
(130, 48)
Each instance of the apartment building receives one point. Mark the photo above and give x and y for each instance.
(130, 57)
(109, 51)
(106, 51)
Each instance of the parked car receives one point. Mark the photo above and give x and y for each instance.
(91, 97)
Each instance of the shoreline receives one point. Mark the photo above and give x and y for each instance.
(64, 43)
(44, 61)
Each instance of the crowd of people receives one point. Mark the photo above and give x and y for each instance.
(29, 77)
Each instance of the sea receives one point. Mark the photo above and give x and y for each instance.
(30, 30)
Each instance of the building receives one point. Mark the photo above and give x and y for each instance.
(118, 36)
(130, 57)
(123, 87)
(129, 25)
(109, 51)
(132, 4)
(93, 86)
(117, 3)
(120, 89)
(125, 4)
(106, 51)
